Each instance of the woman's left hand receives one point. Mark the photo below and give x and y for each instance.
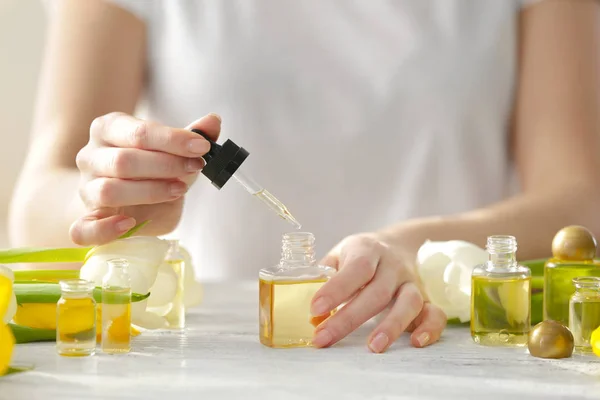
(372, 276)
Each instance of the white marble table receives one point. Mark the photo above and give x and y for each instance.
(219, 356)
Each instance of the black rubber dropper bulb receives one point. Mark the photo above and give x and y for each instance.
(222, 161)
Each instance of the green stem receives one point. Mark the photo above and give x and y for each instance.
(47, 276)
(54, 255)
(25, 334)
(35, 293)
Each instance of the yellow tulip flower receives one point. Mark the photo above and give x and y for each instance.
(7, 340)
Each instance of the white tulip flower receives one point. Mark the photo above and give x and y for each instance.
(149, 273)
(445, 269)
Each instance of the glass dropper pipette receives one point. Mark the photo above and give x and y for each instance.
(224, 161)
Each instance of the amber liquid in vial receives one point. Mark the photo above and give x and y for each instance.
(76, 319)
(285, 318)
(286, 292)
(116, 321)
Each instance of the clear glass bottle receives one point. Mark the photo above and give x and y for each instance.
(501, 296)
(584, 311)
(286, 291)
(573, 252)
(116, 308)
(176, 316)
(76, 319)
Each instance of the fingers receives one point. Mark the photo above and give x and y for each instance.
(99, 227)
(125, 131)
(114, 193)
(430, 324)
(127, 163)
(407, 306)
(357, 264)
(370, 301)
(209, 124)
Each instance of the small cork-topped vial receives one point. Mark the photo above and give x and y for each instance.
(573, 251)
(584, 311)
(76, 319)
(286, 292)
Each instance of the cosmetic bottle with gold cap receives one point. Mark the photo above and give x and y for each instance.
(573, 252)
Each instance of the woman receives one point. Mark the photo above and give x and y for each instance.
(379, 124)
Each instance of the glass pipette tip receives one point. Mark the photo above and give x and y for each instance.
(266, 197)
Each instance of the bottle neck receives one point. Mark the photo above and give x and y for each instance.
(298, 250)
(587, 285)
(76, 288)
(502, 252)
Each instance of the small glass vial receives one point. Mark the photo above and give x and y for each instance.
(573, 252)
(286, 291)
(501, 296)
(584, 311)
(116, 308)
(76, 319)
(176, 316)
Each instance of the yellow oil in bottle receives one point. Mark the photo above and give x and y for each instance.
(573, 251)
(76, 326)
(285, 318)
(116, 320)
(584, 311)
(558, 286)
(500, 310)
(176, 316)
(584, 320)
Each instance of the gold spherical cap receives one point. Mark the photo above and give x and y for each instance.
(574, 243)
(550, 339)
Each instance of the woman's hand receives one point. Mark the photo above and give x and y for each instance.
(134, 170)
(372, 277)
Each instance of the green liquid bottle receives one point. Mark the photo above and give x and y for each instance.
(573, 252)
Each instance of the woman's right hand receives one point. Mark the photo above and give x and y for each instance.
(134, 170)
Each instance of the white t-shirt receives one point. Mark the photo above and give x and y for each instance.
(356, 114)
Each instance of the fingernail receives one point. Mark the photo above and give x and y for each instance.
(379, 342)
(423, 339)
(177, 189)
(217, 116)
(199, 146)
(320, 307)
(194, 164)
(125, 225)
(322, 339)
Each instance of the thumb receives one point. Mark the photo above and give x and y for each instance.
(209, 124)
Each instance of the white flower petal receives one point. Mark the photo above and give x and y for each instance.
(459, 275)
(143, 250)
(453, 287)
(165, 287)
(145, 255)
(193, 290)
(431, 271)
(96, 267)
(161, 311)
(448, 248)
(148, 320)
